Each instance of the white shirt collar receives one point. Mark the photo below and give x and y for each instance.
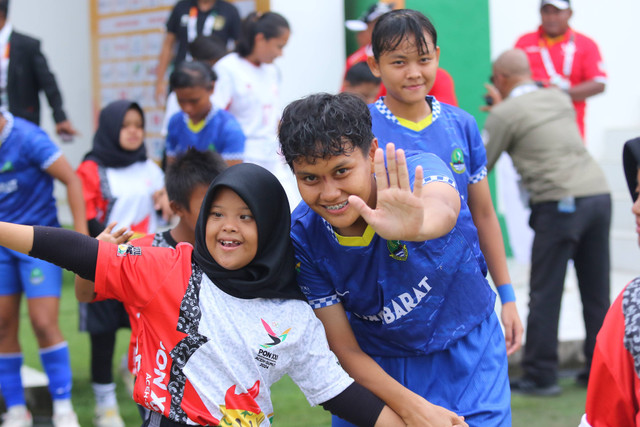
(522, 89)
(5, 32)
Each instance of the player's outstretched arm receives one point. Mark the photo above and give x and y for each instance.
(427, 212)
(68, 249)
(414, 409)
(85, 289)
(16, 237)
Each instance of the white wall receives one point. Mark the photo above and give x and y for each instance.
(313, 60)
(63, 28)
(613, 25)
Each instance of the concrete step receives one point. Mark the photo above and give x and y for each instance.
(571, 331)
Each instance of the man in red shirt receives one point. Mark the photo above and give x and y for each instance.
(562, 57)
(363, 26)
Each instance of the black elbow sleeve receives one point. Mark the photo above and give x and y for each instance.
(356, 405)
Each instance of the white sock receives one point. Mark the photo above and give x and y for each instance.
(105, 395)
(62, 406)
(17, 409)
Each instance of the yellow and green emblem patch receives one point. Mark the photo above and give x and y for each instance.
(397, 250)
(457, 161)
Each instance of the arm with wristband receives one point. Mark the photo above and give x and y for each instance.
(492, 246)
(506, 293)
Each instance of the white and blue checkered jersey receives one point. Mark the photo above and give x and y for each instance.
(26, 189)
(403, 298)
(452, 135)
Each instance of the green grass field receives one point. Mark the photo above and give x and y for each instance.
(291, 407)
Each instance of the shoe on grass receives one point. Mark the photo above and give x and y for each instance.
(108, 417)
(526, 385)
(127, 377)
(66, 419)
(582, 379)
(17, 416)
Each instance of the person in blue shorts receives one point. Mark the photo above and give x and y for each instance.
(29, 163)
(200, 125)
(405, 57)
(393, 273)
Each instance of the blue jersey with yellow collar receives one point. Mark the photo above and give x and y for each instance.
(403, 298)
(451, 134)
(219, 132)
(26, 189)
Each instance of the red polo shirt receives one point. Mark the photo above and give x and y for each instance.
(586, 65)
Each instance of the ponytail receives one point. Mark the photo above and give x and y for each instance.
(271, 24)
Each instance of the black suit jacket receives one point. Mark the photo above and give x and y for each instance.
(28, 74)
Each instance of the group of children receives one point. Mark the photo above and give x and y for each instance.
(379, 268)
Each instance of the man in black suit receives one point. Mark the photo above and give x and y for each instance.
(23, 74)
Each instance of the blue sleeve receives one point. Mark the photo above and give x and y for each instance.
(41, 150)
(171, 144)
(318, 290)
(477, 152)
(231, 138)
(433, 168)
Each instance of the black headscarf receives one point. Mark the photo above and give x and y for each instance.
(271, 274)
(106, 149)
(631, 162)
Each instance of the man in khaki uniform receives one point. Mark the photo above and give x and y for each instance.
(570, 212)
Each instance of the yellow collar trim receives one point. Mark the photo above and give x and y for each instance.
(363, 240)
(196, 127)
(422, 124)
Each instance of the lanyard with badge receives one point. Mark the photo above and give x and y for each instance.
(211, 23)
(559, 80)
(4, 73)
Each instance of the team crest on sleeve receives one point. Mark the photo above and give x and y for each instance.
(397, 250)
(125, 249)
(6, 167)
(457, 161)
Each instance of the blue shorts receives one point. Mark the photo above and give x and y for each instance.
(469, 378)
(22, 273)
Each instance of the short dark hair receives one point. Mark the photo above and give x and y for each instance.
(207, 48)
(190, 169)
(271, 24)
(395, 26)
(192, 74)
(323, 125)
(361, 73)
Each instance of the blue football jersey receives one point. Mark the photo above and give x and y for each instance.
(221, 133)
(403, 298)
(452, 135)
(26, 190)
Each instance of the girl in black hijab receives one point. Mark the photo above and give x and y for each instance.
(106, 150)
(213, 339)
(119, 185)
(613, 395)
(271, 273)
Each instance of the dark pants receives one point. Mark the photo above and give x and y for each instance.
(584, 237)
(157, 420)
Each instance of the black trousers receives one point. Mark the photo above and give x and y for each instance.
(583, 236)
(157, 420)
